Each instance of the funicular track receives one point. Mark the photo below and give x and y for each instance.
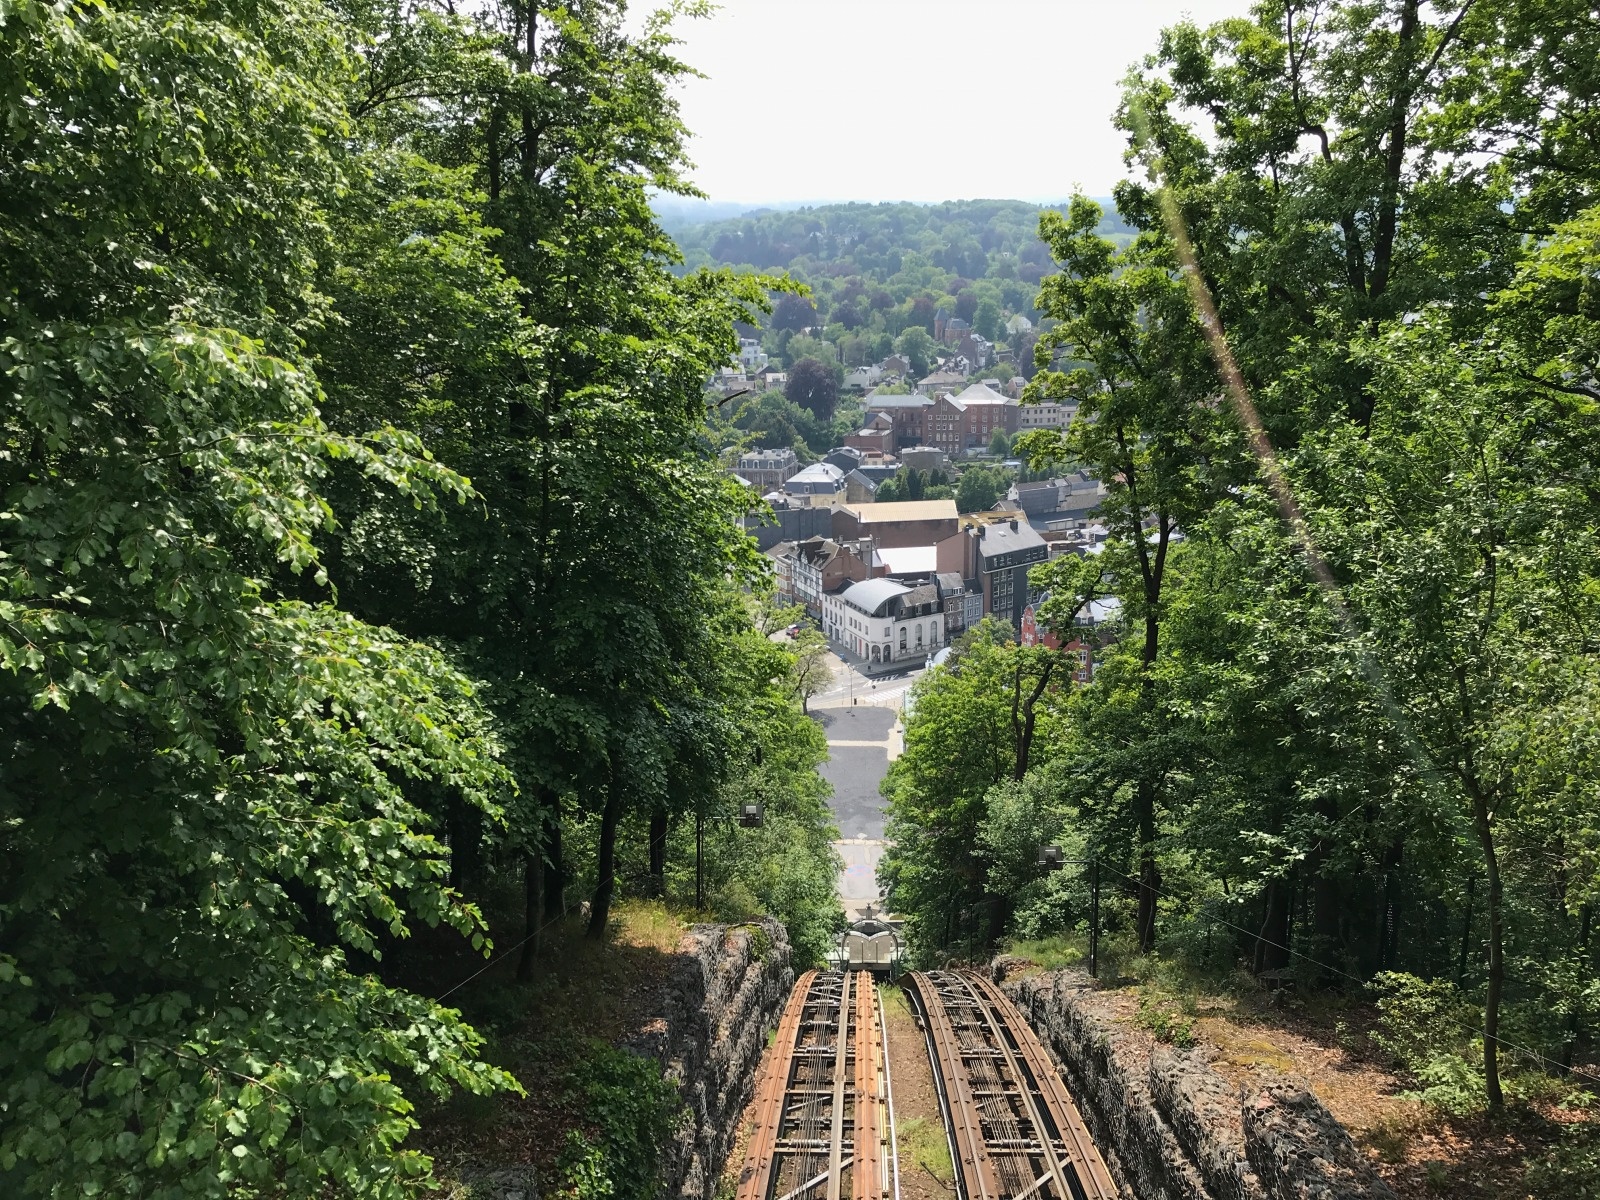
(1015, 1133)
(822, 1108)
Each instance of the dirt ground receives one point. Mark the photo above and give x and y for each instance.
(1422, 1154)
(925, 1169)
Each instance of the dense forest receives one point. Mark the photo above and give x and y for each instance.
(368, 596)
(873, 278)
(1343, 388)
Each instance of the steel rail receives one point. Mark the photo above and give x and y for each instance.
(1015, 1131)
(1080, 1147)
(867, 1176)
(962, 1114)
(888, 1093)
(755, 1180)
(819, 1120)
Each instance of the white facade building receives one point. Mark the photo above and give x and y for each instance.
(817, 486)
(882, 621)
(1047, 414)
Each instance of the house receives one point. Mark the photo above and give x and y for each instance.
(943, 380)
(1085, 637)
(859, 488)
(1046, 414)
(751, 356)
(876, 436)
(846, 458)
(895, 364)
(819, 485)
(863, 377)
(820, 565)
(881, 621)
(902, 523)
(954, 330)
(1019, 324)
(782, 523)
(924, 458)
(767, 469)
(1055, 502)
(963, 603)
(976, 349)
(998, 556)
(773, 377)
(906, 414)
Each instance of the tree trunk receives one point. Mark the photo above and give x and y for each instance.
(606, 862)
(1272, 943)
(1491, 1002)
(532, 910)
(658, 852)
(555, 870)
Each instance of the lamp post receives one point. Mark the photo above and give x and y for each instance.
(752, 814)
(1050, 858)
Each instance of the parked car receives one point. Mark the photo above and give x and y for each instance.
(793, 631)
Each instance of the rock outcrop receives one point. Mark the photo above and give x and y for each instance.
(1170, 1127)
(726, 989)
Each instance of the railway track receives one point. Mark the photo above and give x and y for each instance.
(1015, 1133)
(822, 1110)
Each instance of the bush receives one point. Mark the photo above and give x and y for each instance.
(1571, 1169)
(628, 1113)
(1425, 1024)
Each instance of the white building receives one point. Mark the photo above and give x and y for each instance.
(1047, 414)
(818, 486)
(881, 621)
(751, 356)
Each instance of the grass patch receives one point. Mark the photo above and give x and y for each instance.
(895, 1000)
(1051, 953)
(923, 1144)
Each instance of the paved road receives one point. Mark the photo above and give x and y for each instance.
(863, 738)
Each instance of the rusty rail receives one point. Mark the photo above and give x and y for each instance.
(820, 1109)
(1014, 1130)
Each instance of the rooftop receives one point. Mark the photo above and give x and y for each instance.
(980, 393)
(871, 595)
(909, 560)
(817, 472)
(904, 510)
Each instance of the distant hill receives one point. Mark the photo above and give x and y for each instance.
(877, 270)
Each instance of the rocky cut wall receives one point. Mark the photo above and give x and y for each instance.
(725, 989)
(1170, 1127)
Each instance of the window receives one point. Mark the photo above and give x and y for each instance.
(903, 637)
(919, 637)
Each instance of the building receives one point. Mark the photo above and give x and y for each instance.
(786, 524)
(986, 410)
(903, 523)
(881, 621)
(817, 486)
(906, 415)
(768, 469)
(963, 604)
(1058, 503)
(876, 435)
(751, 356)
(998, 557)
(941, 381)
(859, 488)
(1045, 414)
(820, 565)
(924, 458)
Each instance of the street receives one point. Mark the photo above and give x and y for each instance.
(861, 718)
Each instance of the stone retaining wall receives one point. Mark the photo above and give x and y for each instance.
(726, 989)
(1170, 1127)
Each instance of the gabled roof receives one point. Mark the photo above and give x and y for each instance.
(1003, 538)
(980, 393)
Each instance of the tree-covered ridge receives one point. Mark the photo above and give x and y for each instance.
(876, 269)
(1340, 729)
(361, 566)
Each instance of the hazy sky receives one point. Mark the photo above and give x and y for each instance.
(915, 99)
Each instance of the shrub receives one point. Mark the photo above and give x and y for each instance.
(1424, 1025)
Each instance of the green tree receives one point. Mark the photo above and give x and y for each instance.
(221, 791)
(812, 386)
(918, 346)
(1146, 426)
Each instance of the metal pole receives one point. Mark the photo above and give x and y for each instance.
(699, 859)
(1094, 918)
